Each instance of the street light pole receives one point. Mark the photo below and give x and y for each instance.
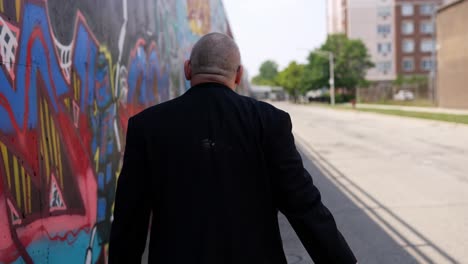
(331, 81)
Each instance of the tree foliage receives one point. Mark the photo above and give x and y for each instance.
(292, 79)
(317, 72)
(415, 80)
(268, 74)
(351, 60)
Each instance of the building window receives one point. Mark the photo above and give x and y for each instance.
(384, 48)
(408, 46)
(384, 11)
(407, 9)
(427, 27)
(427, 45)
(426, 9)
(383, 29)
(384, 66)
(407, 27)
(408, 64)
(427, 64)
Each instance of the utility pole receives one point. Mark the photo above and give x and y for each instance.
(332, 78)
(331, 81)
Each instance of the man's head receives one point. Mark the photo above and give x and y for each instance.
(214, 58)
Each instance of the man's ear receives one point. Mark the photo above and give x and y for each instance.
(239, 73)
(188, 70)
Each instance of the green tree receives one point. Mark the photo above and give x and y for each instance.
(351, 60)
(268, 74)
(292, 79)
(417, 80)
(316, 72)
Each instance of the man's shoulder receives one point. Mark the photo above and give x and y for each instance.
(269, 115)
(262, 106)
(271, 112)
(156, 110)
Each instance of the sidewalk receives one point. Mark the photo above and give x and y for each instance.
(415, 109)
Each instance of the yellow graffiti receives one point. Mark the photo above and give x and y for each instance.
(2, 9)
(18, 9)
(55, 147)
(199, 16)
(23, 184)
(96, 159)
(44, 144)
(50, 145)
(59, 153)
(52, 141)
(58, 164)
(95, 109)
(29, 194)
(5, 163)
(66, 101)
(17, 184)
(76, 87)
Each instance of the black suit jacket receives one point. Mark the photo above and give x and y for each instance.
(214, 168)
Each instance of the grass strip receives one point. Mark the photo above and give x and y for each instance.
(452, 118)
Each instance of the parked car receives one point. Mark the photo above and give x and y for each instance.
(317, 95)
(403, 95)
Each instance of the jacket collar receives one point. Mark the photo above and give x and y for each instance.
(208, 86)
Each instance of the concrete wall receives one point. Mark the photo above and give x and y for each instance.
(452, 56)
(72, 73)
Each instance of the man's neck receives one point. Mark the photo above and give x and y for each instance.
(206, 78)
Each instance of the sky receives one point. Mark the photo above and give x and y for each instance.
(280, 30)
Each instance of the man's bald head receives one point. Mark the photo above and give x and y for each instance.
(215, 54)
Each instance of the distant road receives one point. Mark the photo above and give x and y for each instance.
(397, 186)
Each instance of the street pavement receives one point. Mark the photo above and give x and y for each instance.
(398, 187)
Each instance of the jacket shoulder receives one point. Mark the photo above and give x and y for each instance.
(263, 107)
(155, 110)
(270, 118)
(271, 113)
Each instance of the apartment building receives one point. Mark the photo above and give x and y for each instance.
(415, 38)
(399, 34)
(336, 16)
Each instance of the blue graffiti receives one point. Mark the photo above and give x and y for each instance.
(35, 58)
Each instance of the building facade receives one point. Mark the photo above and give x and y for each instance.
(373, 22)
(452, 55)
(399, 34)
(336, 16)
(415, 36)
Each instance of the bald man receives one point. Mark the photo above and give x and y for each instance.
(214, 168)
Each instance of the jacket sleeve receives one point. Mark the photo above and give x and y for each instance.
(299, 200)
(132, 202)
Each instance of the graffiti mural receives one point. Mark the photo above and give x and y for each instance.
(72, 73)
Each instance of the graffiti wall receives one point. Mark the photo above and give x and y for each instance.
(72, 73)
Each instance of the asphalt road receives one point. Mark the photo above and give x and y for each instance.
(398, 187)
(370, 243)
